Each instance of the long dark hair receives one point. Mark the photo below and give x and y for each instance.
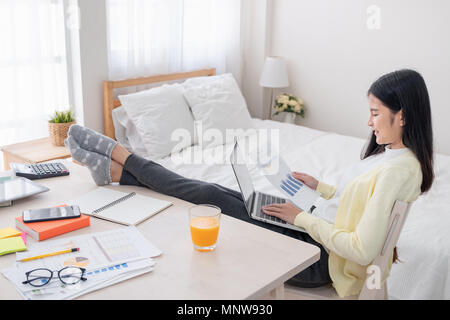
(406, 90)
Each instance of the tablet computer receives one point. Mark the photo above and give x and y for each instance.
(18, 188)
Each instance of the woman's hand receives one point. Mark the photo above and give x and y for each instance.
(285, 211)
(306, 179)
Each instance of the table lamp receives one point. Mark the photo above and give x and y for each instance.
(274, 75)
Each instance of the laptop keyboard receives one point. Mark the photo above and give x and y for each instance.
(266, 199)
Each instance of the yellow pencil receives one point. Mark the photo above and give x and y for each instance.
(50, 254)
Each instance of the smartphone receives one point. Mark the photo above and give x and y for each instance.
(57, 213)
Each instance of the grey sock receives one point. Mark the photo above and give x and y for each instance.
(92, 141)
(99, 165)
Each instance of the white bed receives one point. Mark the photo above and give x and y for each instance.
(424, 244)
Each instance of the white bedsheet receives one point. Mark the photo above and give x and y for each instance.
(424, 244)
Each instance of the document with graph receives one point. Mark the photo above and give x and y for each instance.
(280, 176)
(106, 258)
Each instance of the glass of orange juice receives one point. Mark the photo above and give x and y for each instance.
(204, 221)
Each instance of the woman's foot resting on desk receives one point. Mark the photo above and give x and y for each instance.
(99, 165)
(92, 141)
(103, 156)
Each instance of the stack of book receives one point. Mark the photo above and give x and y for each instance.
(48, 229)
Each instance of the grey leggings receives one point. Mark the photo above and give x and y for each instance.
(141, 172)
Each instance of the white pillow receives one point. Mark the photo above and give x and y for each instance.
(217, 105)
(158, 113)
(126, 132)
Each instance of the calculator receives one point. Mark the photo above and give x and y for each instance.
(40, 170)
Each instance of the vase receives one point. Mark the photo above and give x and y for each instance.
(58, 132)
(289, 117)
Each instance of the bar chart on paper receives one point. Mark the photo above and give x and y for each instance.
(297, 192)
(291, 185)
(100, 249)
(108, 269)
(106, 257)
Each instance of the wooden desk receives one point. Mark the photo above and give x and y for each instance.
(34, 151)
(248, 263)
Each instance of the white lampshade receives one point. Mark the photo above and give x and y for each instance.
(274, 74)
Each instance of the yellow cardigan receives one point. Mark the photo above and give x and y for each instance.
(358, 233)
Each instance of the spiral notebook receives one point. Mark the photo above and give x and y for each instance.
(120, 207)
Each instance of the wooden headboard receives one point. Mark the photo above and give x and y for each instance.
(109, 103)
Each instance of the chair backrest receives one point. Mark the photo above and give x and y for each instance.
(373, 289)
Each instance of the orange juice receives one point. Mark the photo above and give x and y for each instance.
(204, 232)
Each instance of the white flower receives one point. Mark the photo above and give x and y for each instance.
(292, 103)
(283, 99)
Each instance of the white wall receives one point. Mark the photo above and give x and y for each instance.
(255, 34)
(94, 60)
(333, 57)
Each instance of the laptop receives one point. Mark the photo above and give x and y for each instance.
(255, 200)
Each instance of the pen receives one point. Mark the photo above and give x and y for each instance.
(50, 254)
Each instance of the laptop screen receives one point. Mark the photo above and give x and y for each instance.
(243, 176)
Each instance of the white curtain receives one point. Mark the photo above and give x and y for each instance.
(148, 37)
(33, 70)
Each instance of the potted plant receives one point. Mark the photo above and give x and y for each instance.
(59, 125)
(290, 104)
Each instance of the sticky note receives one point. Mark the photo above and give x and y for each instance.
(10, 245)
(9, 232)
(23, 235)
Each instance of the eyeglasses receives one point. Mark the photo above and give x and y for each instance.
(68, 275)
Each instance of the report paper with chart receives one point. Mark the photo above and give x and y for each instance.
(280, 176)
(108, 257)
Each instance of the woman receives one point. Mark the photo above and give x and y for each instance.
(397, 164)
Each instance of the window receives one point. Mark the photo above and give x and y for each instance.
(147, 37)
(33, 67)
